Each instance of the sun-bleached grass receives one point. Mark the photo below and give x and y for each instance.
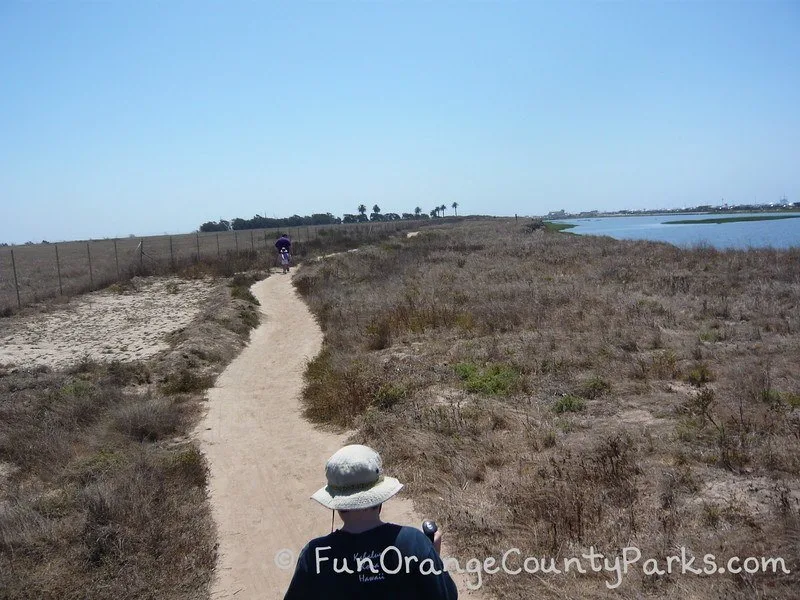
(102, 492)
(652, 402)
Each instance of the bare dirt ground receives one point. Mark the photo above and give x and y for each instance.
(265, 459)
(129, 323)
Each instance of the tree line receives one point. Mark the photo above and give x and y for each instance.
(259, 222)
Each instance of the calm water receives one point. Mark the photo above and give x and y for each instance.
(783, 233)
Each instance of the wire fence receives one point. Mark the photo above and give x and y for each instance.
(36, 272)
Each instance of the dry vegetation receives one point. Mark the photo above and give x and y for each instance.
(552, 392)
(102, 489)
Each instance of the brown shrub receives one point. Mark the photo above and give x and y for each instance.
(624, 328)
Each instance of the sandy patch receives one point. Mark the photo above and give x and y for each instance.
(637, 416)
(104, 325)
(411, 234)
(755, 495)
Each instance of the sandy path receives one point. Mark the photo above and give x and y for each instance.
(104, 325)
(265, 459)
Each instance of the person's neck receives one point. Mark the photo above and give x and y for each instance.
(362, 526)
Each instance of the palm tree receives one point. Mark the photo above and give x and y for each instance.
(443, 208)
(362, 209)
(455, 207)
(418, 211)
(435, 212)
(376, 209)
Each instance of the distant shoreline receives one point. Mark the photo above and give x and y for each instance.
(730, 220)
(776, 211)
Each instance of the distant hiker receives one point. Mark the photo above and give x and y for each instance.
(284, 246)
(285, 260)
(375, 553)
(284, 242)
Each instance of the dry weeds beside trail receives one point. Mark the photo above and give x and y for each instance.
(573, 392)
(102, 492)
(265, 459)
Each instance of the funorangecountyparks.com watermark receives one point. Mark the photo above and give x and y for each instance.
(512, 562)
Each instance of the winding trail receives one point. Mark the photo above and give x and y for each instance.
(265, 459)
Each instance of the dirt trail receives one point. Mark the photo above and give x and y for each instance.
(265, 459)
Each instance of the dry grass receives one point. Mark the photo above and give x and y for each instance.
(553, 392)
(102, 493)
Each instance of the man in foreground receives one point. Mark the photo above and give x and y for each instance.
(367, 558)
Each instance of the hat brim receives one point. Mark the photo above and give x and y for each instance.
(378, 494)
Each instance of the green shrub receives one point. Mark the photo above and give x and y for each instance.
(594, 388)
(494, 380)
(569, 403)
(700, 375)
(771, 397)
(241, 292)
(466, 370)
(77, 388)
(389, 395)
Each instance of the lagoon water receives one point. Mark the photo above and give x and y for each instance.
(781, 233)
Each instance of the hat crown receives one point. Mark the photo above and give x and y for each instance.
(353, 466)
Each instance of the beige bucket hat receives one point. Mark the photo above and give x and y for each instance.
(355, 480)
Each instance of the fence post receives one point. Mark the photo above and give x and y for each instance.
(236, 240)
(171, 254)
(58, 270)
(218, 254)
(16, 282)
(252, 241)
(141, 255)
(266, 244)
(116, 258)
(198, 246)
(91, 276)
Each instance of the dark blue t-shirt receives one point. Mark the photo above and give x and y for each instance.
(406, 570)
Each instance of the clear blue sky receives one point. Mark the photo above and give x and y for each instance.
(144, 117)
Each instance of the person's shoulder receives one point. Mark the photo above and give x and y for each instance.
(413, 537)
(318, 542)
(323, 540)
